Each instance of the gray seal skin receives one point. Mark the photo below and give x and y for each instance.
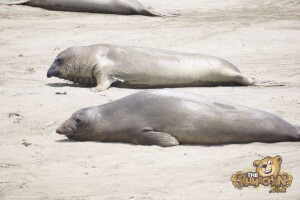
(138, 67)
(167, 117)
(123, 7)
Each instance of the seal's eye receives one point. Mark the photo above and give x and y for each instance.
(270, 162)
(78, 121)
(58, 60)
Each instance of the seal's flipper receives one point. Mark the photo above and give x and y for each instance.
(154, 12)
(243, 80)
(101, 87)
(155, 138)
(16, 2)
(104, 81)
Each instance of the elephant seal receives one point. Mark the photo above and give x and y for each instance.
(168, 118)
(138, 67)
(123, 7)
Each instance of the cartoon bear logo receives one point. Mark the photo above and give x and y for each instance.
(268, 166)
(267, 173)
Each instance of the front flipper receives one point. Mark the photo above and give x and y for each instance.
(155, 138)
(104, 82)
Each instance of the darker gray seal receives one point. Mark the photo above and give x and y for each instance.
(168, 118)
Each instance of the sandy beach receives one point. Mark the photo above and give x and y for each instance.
(260, 37)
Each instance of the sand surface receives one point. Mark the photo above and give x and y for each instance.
(261, 37)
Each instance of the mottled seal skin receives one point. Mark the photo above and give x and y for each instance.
(123, 7)
(138, 67)
(167, 117)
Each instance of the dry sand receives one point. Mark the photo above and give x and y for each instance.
(261, 37)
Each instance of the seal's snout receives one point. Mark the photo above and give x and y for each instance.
(65, 129)
(53, 71)
(58, 131)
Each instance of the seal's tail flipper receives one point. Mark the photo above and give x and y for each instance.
(243, 80)
(15, 2)
(150, 11)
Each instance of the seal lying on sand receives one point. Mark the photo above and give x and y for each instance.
(138, 67)
(123, 7)
(167, 118)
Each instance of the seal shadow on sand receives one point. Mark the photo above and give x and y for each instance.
(266, 83)
(64, 85)
(66, 140)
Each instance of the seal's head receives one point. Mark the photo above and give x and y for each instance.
(65, 59)
(80, 125)
(74, 64)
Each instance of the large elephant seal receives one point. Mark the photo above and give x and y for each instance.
(123, 7)
(167, 118)
(138, 67)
